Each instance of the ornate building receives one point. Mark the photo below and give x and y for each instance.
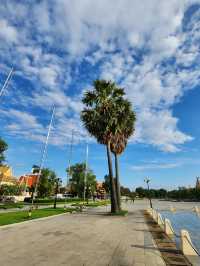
(198, 183)
(6, 176)
(28, 180)
(100, 190)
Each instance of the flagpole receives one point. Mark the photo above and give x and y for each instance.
(70, 156)
(43, 155)
(85, 175)
(6, 82)
(69, 163)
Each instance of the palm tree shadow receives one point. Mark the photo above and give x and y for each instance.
(166, 250)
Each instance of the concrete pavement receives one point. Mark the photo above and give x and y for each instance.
(90, 239)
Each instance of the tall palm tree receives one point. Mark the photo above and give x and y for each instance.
(100, 120)
(126, 121)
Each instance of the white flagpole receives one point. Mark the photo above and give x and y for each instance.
(43, 155)
(6, 82)
(70, 156)
(69, 165)
(85, 176)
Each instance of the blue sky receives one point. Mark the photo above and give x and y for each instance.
(57, 48)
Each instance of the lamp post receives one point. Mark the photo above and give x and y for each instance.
(147, 180)
(57, 183)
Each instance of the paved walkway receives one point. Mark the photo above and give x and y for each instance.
(89, 239)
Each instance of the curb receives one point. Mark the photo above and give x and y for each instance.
(33, 220)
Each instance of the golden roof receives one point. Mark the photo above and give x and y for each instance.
(6, 174)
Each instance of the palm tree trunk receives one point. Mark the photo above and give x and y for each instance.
(117, 182)
(114, 205)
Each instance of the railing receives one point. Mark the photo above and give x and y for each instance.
(187, 246)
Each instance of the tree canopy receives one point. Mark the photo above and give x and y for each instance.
(77, 173)
(11, 190)
(3, 148)
(47, 183)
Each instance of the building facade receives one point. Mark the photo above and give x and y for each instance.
(6, 176)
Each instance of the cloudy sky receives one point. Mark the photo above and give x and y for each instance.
(57, 48)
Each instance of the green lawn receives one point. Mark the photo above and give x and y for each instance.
(20, 216)
(20, 205)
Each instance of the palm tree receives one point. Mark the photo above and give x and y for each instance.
(126, 120)
(99, 118)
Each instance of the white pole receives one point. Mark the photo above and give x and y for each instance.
(43, 154)
(70, 156)
(69, 164)
(6, 82)
(85, 176)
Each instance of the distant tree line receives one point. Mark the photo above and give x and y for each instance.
(124, 191)
(182, 193)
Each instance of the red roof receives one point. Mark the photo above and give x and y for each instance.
(28, 180)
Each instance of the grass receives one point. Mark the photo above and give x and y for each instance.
(120, 213)
(21, 216)
(10, 205)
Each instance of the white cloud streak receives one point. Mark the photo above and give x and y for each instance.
(150, 48)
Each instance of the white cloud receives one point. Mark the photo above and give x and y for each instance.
(160, 164)
(154, 166)
(160, 130)
(124, 40)
(7, 32)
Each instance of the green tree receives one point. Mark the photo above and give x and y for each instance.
(77, 173)
(125, 191)
(46, 183)
(125, 128)
(11, 190)
(99, 118)
(3, 148)
(141, 192)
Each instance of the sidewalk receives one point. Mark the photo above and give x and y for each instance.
(88, 239)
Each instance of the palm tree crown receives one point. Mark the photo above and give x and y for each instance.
(101, 105)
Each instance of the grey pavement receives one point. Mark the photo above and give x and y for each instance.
(91, 238)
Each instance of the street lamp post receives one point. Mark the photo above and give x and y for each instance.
(147, 180)
(57, 183)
